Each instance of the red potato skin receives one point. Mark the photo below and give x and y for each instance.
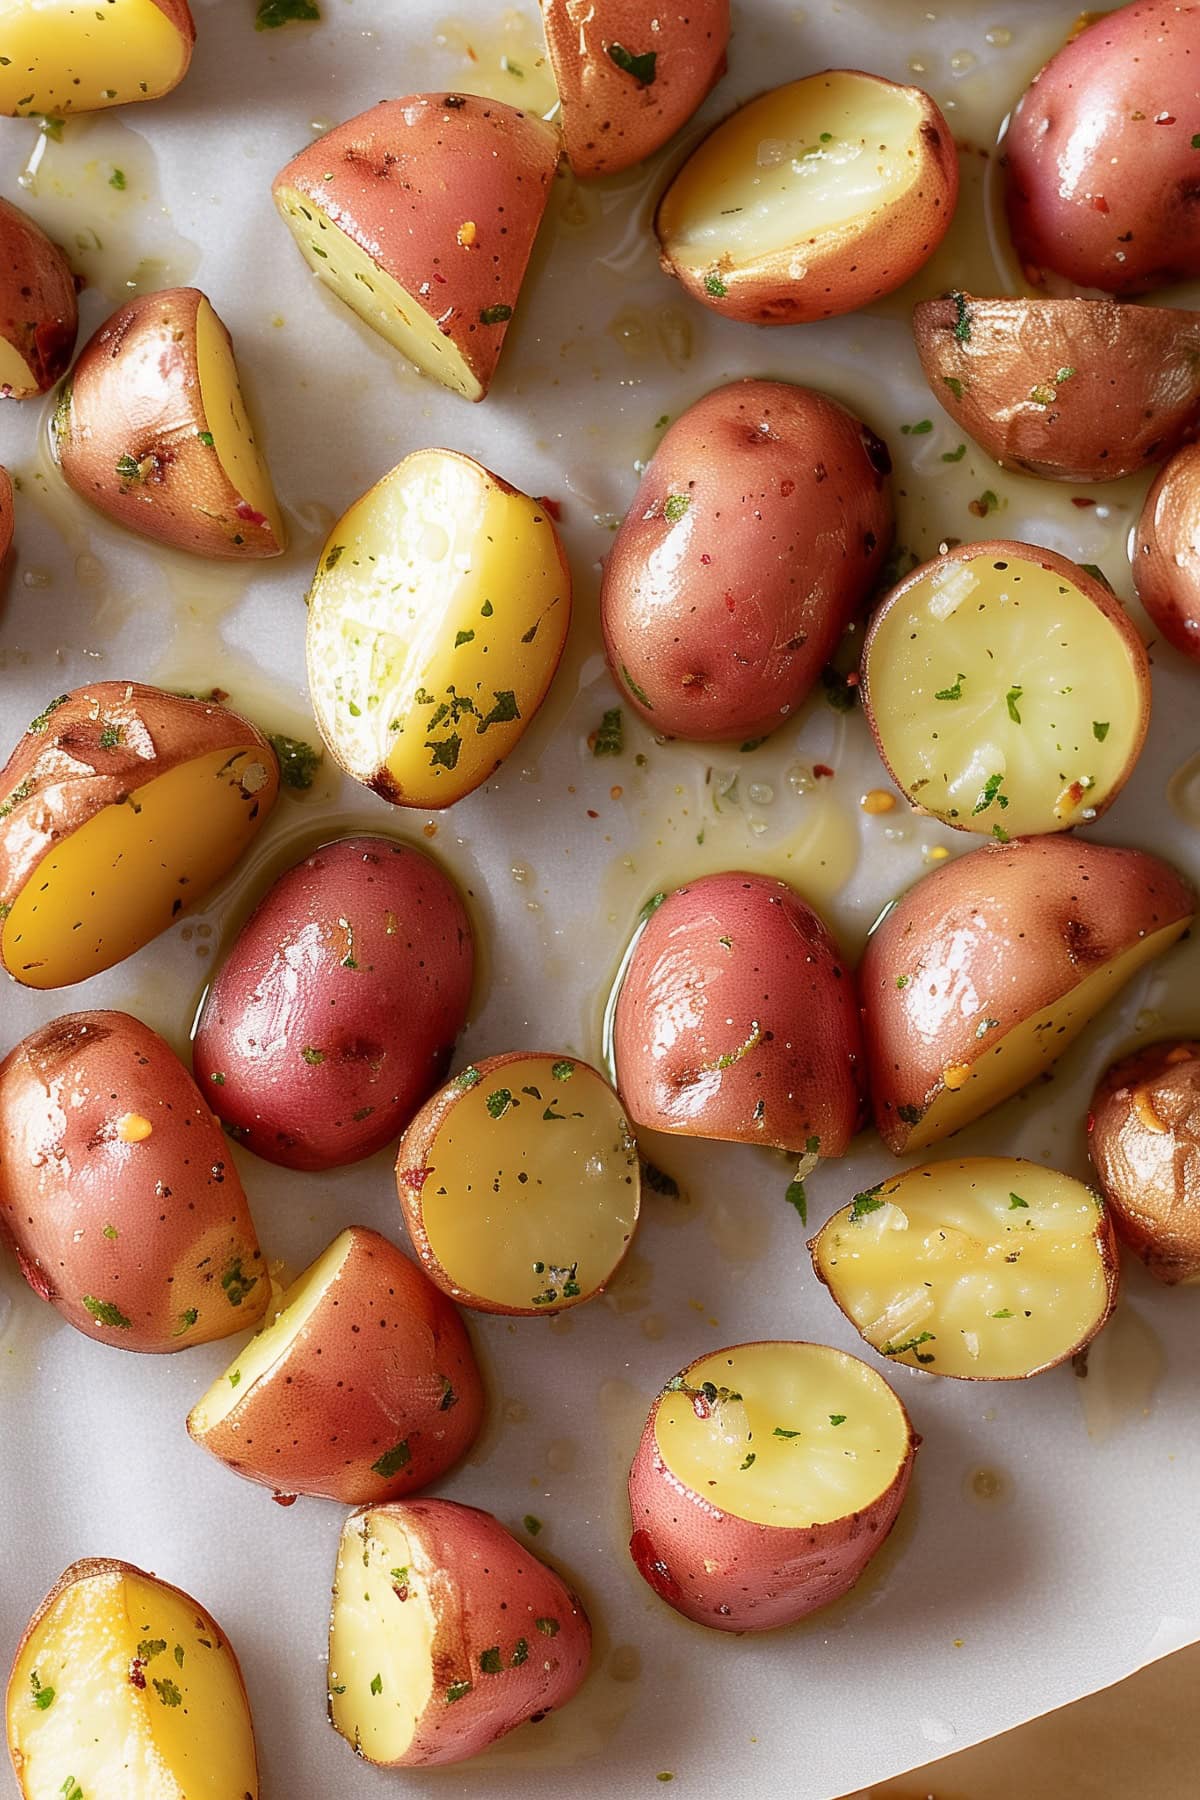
(758, 1043)
(997, 934)
(1101, 179)
(158, 1229)
(611, 120)
(1144, 1142)
(1166, 563)
(6, 514)
(717, 623)
(347, 1392)
(362, 956)
(39, 314)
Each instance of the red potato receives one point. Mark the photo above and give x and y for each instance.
(362, 1387)
(39, 316)
(335, 1013)
(58, 57)
(446, 1634)
(6, 514)
(421, 214)
(1100, 159)
(1144, 1142)
(628, 80)
(758, 531)
(738, 1019)
(1166, 561)
(767, 1477)
(117, 1191)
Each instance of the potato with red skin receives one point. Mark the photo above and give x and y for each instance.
(55, 62)
(1144, 1142)
(6, 514)
(1099, 158)
(446, 1634)
(758, 531)
(39, 314)
(626, 86)
(737, 1019)
(1166, 561)
(117, 1191)
(336, 1010)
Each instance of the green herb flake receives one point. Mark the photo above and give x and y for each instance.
(797, 1197)
(186, 1321)
(1100, 729)
(749, 1463)
(902, 981)
(495, 315)
(659, 1182)
(532, 1524)
(217, 1078)
(562, 1070)
(962, 320)
(1004, 1313)
(207, 439)
(106, 1312)
(956, 387)
(1010, 700)
(547, 1627)
(674, 507)
(236, 1285)
(520, 1653)
(780, 1432)
(989, 793)
(274, 13)
(469, 1078)
(1015, 1202)
(43, 719)
(43, 1697)
(490, 1661)
(128, 468)
(117, 180)
(652, 905)
(714, 285)
(751, 744)
(837, 1418)
(498, 1102)
(913, 1344)
(333, 557)
(377, 1684)
(920, 429)
(449, 1397)
(235, 1378)
(503, 712)
(1196, 141)
(637, 692)
(839, 691)
(167, 1692)
(178, 1653)
(639, 64)
(909, 1115)
(298, 761)
(864, 1203)
(954, 456)
(951, 693)
(313, 1057)
(392, 1461)
(110, 1231)
(609, 737)
(71, 1789)
(463, 637)
(456, 1691)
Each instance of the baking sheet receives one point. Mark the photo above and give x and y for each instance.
(1048, 1546)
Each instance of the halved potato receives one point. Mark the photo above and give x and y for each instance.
(58, 56)
(766, 1478)
(436, 620)
(811, 200)
(39, 316)
(983, 973)
(989, 1269)
(446, 1634)
(520, 1185)
(1072, 390)
(120, 807)
(1166, 562)
(152, 431)
(421, 215)
(1007, 690)
(1144, 1140)
(363, 1384)
(124, 1686)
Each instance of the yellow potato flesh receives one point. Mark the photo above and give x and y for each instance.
(379, 300)
(1020, 1056)
(436, 621)
(798, 1435)
(519, 1206)
(989, 1268)
(63, 57)
(1044, 706)
(16, 377)
(226, 419)
(185, 1735)
(108, 888)
(796, 166)
(380, 1646)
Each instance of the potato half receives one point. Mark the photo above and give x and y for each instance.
(57, 56)
(152, 430)
(627, 81)
(1071, 390)
(1166, 561)
(1007, 690)
(1144, 1141)
(436, 620)
(120, 807)
(989, 1269)
(520, 1185)
(363, 1386)
(421, 215)
(446, 1634)
(983, 973)
(39, 316)
(811, 200)
(125, 1686)
(766, 1478)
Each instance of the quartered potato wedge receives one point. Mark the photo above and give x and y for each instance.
(1144, 1142)
(39, 316)
(59, 56)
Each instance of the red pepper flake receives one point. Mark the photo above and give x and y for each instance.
(1091, 1122)
(413, 1178)
(821, 770)
(1165, 119)
(591, 814)
(705, 558)
(729, 602)
(401, 1593)
(284, 1499)
(853, 678)
(1099, 203)
(137, 1672)
(787, 489)
(439, 277)
(245, 511)
(1082, 500)
(553, 507)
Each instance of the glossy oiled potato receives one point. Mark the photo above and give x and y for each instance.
(1071, 390)
(1166, 558)
(759, 529)
(628, 79)
(446, 1634)
(767, 1477)
(58, 56)
(421, 215)
(811, 200)
(1007, 690)
(436, 620)
(335, 1013)
(737, 1018)
(981, 975)
(125, 1686)
(117, 1191)
(39, 316)
(152, 430)
(1100, 156)
(1144, 1141)
(121, 806)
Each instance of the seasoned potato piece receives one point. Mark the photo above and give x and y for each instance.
(39, 316)
(1166, 561)
(6, 514)
(1144, 1140)
(59, 56)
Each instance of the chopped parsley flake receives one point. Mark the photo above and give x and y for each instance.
(1100, 729)
(864, 1203)
(1015, 1201)
(392, 1461)
(837, 1418)
(675, 506)
(714, 285)
(106, 1312)
(990, 792)
(797, 1197)
(495, 315)
(274, 13)
(298, 761)
(498, 1102)
(951, 693)
(609, 739)
(1010, 700)
(913, 1344)
(638, 64)
(377, 1684)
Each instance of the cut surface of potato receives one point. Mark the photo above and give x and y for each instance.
(990, 1268)
(1007, 690)
(39, 313)
(57, 56)
(381, 1668)
(234, 443)
(125, 1686)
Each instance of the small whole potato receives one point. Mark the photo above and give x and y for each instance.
(1166, 562)
(39, 315)
(1144, 1141)
(336, 1010)
(759, 529)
